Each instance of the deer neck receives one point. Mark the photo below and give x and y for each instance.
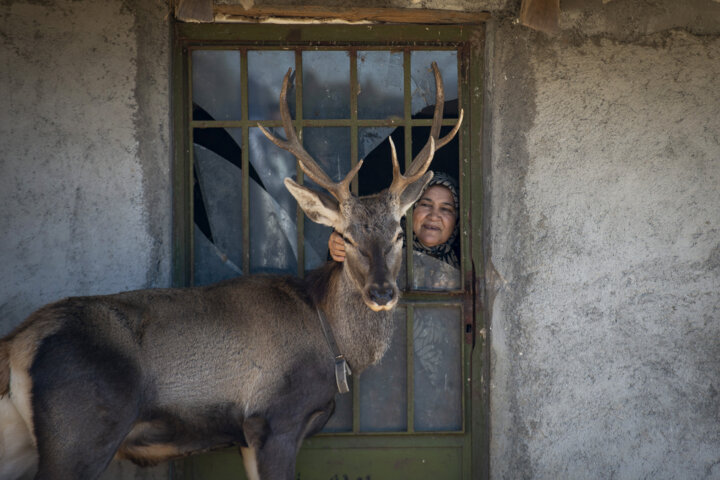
(362, 335)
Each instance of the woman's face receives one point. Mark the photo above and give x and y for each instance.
(434, 216)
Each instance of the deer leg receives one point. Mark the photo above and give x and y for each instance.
(250, 463)
(271, 447)
(255, 431)
(273, 458)
(85, 400)
(276, 459)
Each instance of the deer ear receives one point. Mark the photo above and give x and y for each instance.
(320, 208)
(412, 193)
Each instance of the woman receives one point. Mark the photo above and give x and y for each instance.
(435, 224)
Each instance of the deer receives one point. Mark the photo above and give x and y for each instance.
(256, 361)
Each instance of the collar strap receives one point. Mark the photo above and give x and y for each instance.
(342, 370)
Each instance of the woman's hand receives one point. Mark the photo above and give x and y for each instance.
(336, 245)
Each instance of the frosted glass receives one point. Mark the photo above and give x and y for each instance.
(330, 147)
(266, 70)
(218, 207)
(383, 387)
(423, 80)
(437, 369)
(273, 227)
(342, 419)
(216, 85)
(326, 84)
(380, 78)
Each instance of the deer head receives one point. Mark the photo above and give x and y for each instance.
(370, 225)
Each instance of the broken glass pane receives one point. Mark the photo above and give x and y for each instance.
(374, 149)
(380, 78)
(371, 138)
(273, 228)
(217, 204)
(437, 369)
(422, 80)
(216, 84)
(326, 84)
(330, 147)
(211, 265)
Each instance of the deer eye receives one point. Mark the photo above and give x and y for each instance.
(398, 238)
(352, 243)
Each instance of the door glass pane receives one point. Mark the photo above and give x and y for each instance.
(380, 78)
(326, 84)
(216, 84)
(446, 159)
(429, 273)
(374, 149)
(273, 228)
(437, 369)
(423, 81)
(383, 387)
(211, 265)
(330, 147)
(370, 140)
(266, 70)
(217, 204)
(342, 418)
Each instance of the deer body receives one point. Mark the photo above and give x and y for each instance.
(181, 370)
(151, 375)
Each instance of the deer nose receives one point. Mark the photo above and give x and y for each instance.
(381, 294)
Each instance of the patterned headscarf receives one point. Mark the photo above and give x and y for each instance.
(444, 251)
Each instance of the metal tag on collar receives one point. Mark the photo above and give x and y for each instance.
(342, 370)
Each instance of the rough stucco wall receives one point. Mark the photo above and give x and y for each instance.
(603, 225)
(84, 172)
(85, 161)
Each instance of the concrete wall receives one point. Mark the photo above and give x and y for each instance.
(85, 161)
(602, 212)
(603, 225)
(84, 168)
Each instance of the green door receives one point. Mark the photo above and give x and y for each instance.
(418, 413)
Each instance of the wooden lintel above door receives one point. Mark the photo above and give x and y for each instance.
(205, 11)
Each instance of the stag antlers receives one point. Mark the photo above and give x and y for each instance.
(341, 190)
(422, 160)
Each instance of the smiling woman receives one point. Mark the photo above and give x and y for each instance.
(434, 216)
(435, 220)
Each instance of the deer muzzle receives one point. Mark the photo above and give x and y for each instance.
(381, 296)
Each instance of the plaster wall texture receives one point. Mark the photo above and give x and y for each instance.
(603, 226)
(85, 160)
(84, 168)
(633, 20)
